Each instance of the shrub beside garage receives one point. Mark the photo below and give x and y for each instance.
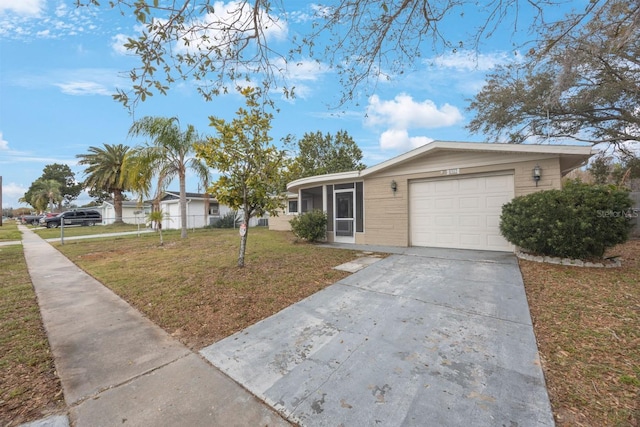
(580, 221)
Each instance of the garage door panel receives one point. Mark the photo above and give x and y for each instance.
(469, 202)
(445, 239)
(470, 240)
(471, 221)
(444, 187)
(493, 221)
(496, 201)
(459, 212)
(468, 185)
(444, 221)
(443, 203)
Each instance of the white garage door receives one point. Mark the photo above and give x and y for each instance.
(459, 213)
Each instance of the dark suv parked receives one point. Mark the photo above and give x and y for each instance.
(84, 217)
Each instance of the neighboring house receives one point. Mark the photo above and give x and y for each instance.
(443, 194)
(132, 212)
(196, 215)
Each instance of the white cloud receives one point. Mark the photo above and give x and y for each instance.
(23, 7)
(404, 113)
(399, 139)
(227, 24)
(117, 43)
(28, 19)
(61, 10)
(84, 88)
(13, 190)
(4, 144)
(304, 70)
(466, 60)
(81, 81)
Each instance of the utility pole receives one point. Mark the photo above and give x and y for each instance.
(2, 214)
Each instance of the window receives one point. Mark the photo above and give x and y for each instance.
(293, 206)
(346, 186)
(214, 208)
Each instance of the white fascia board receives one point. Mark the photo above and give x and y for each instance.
(317, 180)
(314, 181)
(482, 146)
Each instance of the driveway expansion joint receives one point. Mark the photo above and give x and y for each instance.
(457, 309)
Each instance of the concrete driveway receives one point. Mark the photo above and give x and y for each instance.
(427, 337)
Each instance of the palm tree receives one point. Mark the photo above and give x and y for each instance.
(47, 192)
(168, 155)
(156, 218)
(107, 171)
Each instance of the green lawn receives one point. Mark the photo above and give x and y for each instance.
(75, 230)
(9, 231)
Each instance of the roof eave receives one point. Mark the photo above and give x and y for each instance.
(312, 181)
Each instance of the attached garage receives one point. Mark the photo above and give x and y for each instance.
(459, 212)
(443, 194)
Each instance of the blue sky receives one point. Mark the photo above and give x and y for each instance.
(60, 65)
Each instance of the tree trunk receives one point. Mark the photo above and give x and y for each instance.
(207, 205)
(117, 206)
(183, 205)
(243, 236)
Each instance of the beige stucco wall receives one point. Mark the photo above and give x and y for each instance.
(387, 214)
(280, 222)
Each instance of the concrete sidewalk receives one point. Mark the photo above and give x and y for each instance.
(117, 367)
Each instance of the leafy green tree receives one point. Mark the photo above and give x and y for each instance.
(600, 169)
(319, 154)
(69, 188)
(249, 165)
(168, 155)
(46, 192)
(627, 170)
(582, 86)
(107, 171)
(225, 43)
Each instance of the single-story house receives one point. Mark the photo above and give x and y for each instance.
(132, 212)
(442, 194)
(197, 214)
(281, 222)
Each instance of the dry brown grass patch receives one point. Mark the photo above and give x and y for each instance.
(192, 287)
(587, 323)
(29, 387)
